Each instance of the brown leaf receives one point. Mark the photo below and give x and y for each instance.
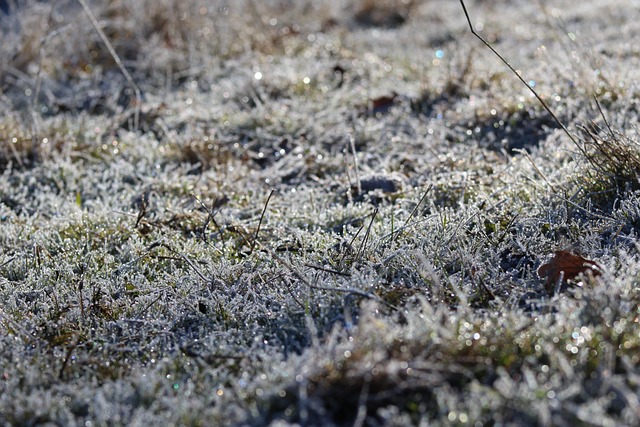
(383, 103)
(380, 105)
(567, 266)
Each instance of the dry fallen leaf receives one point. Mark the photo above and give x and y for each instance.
(381, 105)
(566, 266)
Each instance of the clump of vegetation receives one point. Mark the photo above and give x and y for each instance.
(613, 163)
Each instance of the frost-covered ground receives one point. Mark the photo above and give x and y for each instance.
(318, 213)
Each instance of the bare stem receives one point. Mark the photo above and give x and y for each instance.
(255, 237)
(513, 70)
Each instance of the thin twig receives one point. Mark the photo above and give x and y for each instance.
(80, 299)
(116, 58)
(606, 122)
(7, 261)
(353, 239)
(591, 133)
(355, 162)
(532, 90)
(366, 235)
(255, 236)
